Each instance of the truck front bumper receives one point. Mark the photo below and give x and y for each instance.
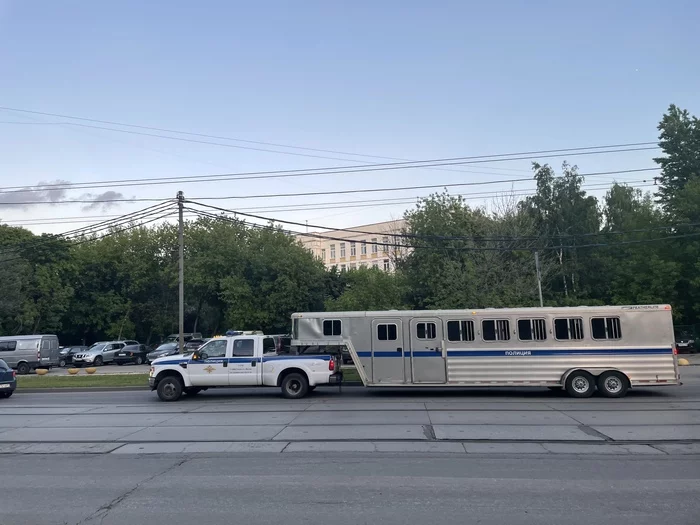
(152, 382)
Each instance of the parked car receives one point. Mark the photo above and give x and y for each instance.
(100, 353)
(27, 352)
(685, 343)
(8, 379)
(174, 338)
(132, 354)
(162, 351)
(193, 344)
(66, 354)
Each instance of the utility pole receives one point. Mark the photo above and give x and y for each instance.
(181, 291)
(539, 277)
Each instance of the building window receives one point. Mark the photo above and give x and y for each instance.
(342, 249)
(606, 328)
(386, 332)
(385, 242)
(331, 327)
(332, 251)
(351, 266)
(323, 254)
(353, 250)
(363, 248)
(425, 330)
(532, 330)
(568, 329)
(375, 248)
(342, 267)
(460, 330)
(495, 329)
(386, 265)
(375, 265)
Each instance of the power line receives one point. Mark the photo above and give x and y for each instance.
(448, 248)
(326, 205)
(89, 230)
(219, 137)
(77, 201)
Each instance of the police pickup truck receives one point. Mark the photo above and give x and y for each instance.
(241, 360)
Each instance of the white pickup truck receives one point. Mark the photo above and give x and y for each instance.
(241, 360)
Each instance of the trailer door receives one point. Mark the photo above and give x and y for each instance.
(387, 351)
(427, 356)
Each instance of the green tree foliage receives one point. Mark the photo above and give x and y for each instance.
(370, 289)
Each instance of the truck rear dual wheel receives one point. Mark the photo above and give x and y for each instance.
(295, 386)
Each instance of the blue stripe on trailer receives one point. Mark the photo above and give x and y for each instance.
(526, 353)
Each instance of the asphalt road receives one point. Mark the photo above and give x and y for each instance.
(355, 489)
(503, 456)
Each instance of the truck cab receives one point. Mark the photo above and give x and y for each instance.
(241, 361)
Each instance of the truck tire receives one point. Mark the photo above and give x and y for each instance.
(170, 389)
(294, 386)
(23, 369)
(62, 363)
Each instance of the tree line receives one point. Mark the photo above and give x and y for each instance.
(626, 248)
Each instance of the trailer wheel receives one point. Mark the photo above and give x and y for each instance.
(612, 384)
(580, 384)
(294, 386)
(169, 388)
(23, 369)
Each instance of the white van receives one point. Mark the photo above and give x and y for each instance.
(27, 352)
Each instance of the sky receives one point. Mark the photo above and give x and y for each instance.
(366, 81)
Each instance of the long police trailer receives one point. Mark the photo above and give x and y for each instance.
(580, 349)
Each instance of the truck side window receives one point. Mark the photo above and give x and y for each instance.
(243, 347)
(214, 349)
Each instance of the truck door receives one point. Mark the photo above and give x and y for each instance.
(211, 366)
(45, 351)
(387, 351)
(244, 366)
(427, 357)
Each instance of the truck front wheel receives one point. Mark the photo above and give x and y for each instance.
(169, 389)
(294, 386)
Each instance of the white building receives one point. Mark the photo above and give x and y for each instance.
(377, 246)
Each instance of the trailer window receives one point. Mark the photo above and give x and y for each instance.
(460, 330)
(426, 330)
(331, 327)
(495, 329)
(532, 330)
(568, 329)
(386, 332)
(8, 346)
(606, 328)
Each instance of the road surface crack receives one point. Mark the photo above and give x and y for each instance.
(101, 513)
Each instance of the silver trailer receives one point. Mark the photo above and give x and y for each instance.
(580, 349)
(27, 352)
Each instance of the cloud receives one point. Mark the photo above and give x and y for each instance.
(102, 201)
(48, 192)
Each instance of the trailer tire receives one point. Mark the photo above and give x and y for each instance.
(613, 384)
(580, 384)
(170, 388)
(23, 369)
(294, 386)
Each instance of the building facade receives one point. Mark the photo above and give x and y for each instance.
(377, 247)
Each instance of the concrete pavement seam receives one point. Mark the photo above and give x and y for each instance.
(103, 511)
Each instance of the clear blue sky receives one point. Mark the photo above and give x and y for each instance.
(401, 79)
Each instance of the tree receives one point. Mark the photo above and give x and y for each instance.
(370, 289)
